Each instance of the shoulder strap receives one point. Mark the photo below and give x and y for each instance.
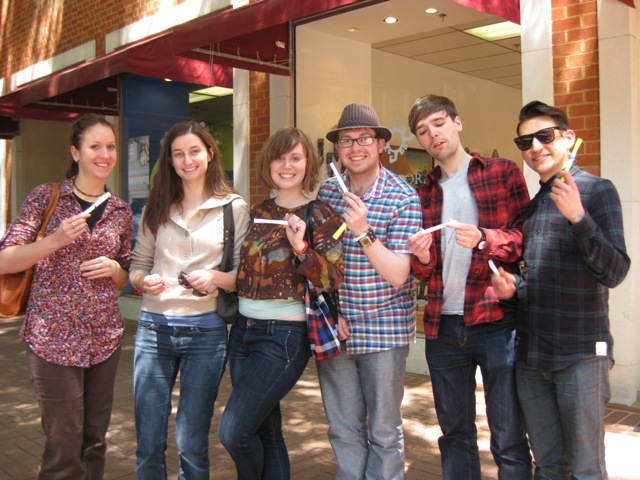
(53, 201)
(308, 219)
(228, 237)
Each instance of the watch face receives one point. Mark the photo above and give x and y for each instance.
(482, 244)
(366, 242)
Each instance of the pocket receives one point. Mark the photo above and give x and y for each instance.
(560, 237)
(147, 325)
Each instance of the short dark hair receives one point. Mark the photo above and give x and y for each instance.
(428, 104)
(537, 108)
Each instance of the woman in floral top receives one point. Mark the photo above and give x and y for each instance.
(73, 327)
(268, 344)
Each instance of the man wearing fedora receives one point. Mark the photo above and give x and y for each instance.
(465, 324)
(362, 388)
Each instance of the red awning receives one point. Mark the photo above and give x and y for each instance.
(507, 9)
(629, 2)
(199, 52)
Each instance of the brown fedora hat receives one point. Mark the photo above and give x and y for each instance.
(357, 115)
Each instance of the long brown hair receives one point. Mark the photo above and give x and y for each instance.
(81, 125)
(167, 189)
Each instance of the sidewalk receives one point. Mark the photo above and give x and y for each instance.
(305, 426)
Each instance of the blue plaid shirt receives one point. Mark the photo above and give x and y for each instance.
(564, 289)
(380, 317)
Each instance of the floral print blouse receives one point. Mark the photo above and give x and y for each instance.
(268, 267)
(72, 321)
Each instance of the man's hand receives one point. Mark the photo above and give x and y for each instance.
(566, 196)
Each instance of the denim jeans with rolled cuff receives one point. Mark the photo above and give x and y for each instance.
(266, 359)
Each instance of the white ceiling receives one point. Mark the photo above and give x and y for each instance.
(436, 39)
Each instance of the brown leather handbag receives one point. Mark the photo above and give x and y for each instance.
(14, 287)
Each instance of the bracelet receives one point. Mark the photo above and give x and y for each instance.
(362, 235)
(301, 252)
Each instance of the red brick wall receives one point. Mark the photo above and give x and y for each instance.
(577, 74)
(35, 30)
(259, 114)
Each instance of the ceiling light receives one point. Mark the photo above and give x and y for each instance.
(496, 31)
(391, 20)
(208, 93)
(280, 44)
(431, 10)
(353, 29)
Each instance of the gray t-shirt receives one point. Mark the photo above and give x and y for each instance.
(458, 204)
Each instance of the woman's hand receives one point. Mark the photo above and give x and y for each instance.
(152, 284)
(295, 231)
(70, 229)
(202, 279)
(100, 267)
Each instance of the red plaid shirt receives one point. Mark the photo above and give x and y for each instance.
(501, 196)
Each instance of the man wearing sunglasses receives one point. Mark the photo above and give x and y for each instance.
(466, 326)
(574, 251)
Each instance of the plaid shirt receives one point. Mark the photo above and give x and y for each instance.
(501, 195)
(380, 316)
(563, 293)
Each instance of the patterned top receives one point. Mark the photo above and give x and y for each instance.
(501, 195)
(564, 289)
(268, 267)
(72, 321)
(380, 316)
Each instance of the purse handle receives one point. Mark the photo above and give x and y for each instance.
(53, 201)
(229, 237)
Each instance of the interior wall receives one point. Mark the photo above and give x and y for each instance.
(488, 111)
(326, 81)
(43, 150)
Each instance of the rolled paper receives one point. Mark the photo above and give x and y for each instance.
(493, 267)
(270, 220)
(98, 202)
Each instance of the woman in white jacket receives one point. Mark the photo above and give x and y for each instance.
(175, 264)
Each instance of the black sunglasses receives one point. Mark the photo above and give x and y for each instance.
(182, 280)
(544, 136)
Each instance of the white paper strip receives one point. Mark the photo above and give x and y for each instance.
(269, 220)
(98, 202)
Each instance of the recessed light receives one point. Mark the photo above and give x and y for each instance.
(280, 44)
(391, 20)
(496, 31)
(431, 10)
(353, 29)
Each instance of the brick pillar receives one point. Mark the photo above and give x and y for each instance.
(260, 116)
(577, 75)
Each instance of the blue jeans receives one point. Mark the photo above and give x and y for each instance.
(160, 353)
(266, 359)
(564, 413)
(453, 359)
(362, 395)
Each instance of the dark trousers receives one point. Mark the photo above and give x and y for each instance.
(75, 405)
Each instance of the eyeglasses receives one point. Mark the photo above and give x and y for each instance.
(182, 280)
(362, 141)
(544, 136)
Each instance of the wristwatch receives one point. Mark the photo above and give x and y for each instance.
(367, 238)
(483, 240)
